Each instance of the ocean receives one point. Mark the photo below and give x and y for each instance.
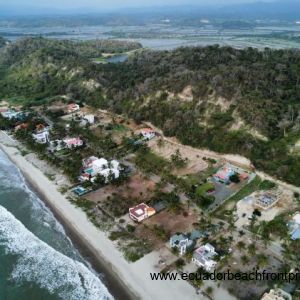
(37, 259)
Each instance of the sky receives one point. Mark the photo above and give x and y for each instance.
(113, 4)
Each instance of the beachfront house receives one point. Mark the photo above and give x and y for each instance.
(203, 257)
(294, 227)
(41, 134)
(72, 108)
(73, 142)
(94, 166)
(12, 114)
(181, 242)
(141, 212)
(88, 162)
(41, 137)
(147, 134)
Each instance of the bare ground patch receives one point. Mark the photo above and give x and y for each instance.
(169, 222)
(137, 187)
(195, 157)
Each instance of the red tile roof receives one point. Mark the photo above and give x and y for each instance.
(147, 130)
(139, 210)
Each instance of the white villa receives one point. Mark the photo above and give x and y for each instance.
(148, 133)
(73, 142)
(203, 257)
(180, 241)
(41, 137)
(94, 166)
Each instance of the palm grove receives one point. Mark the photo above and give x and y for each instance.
(259, 89)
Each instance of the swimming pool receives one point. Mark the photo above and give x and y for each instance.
(79, 190)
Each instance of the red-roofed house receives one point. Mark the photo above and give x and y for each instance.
(39, 128)
(73, 107)
(141, 212)
(224, 175)
(73, 142)
(3, 110)
(21, 126)
(244, 176)
(88, 162)
(148, 133)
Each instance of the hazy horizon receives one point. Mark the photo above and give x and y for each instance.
(243, 9)
(101, 5)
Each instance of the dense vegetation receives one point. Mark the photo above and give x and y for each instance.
(239, 101)
(63, 48)
(2, 42)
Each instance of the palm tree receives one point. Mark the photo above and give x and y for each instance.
(209, 290)
(262, 260)
(240, 245)
(252, 249)
(244, 259)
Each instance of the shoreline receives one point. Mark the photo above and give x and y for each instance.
(123, 280)
(116, 287)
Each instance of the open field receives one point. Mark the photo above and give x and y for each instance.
(136, 188)
(195, 158)
(173, 222)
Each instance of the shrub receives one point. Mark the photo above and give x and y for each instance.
(179, 263)
(267, 185)
(235, 178)
(130, 228)
(132, 256)
(257, 212)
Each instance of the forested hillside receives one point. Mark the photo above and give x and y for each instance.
(2, 41)
(228, 100)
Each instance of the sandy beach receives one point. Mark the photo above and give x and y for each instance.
(134, 278)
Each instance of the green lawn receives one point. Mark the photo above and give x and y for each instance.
(204, 188)
(120, 128)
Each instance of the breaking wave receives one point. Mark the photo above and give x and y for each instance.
(12, 179)
(38, 263)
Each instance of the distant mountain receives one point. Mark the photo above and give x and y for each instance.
(283, 9)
